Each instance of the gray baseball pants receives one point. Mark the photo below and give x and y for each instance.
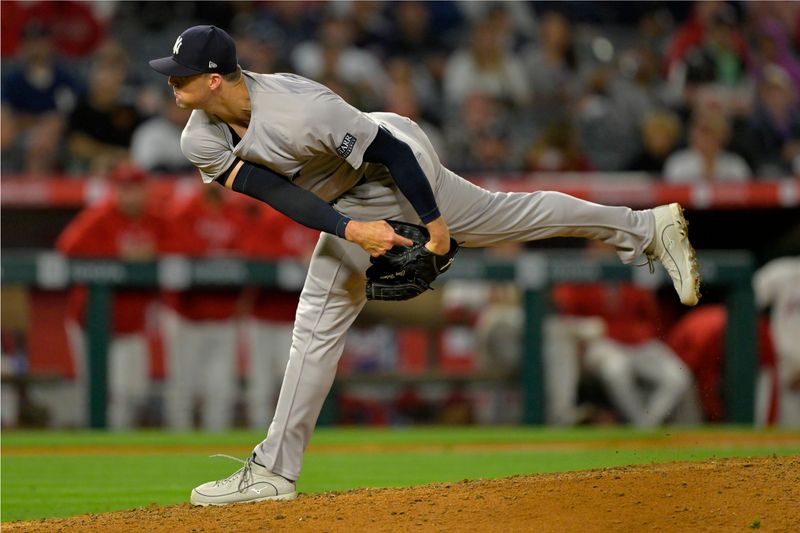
(333, 293)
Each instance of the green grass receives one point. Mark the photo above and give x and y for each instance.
(55, 485)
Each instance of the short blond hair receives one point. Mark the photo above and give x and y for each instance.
(233, 76)
(664, 121)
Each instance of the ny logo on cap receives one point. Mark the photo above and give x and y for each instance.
(177, 46)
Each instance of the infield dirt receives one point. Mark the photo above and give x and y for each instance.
(719, 495)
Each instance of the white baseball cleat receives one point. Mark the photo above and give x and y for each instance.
(671, 246)
(251, 483)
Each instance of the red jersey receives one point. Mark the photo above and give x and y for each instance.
(699, 339)
(198, 228)
(105, 232)
(630, 312)
(275, 236)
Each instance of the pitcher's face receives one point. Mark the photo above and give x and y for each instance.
(190, 91)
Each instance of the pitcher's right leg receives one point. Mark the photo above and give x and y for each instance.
(331, 299)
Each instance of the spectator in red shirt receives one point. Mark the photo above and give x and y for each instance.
(121, 228)
(76, 29)
(629, 351)
(274, 237)
(200, 324)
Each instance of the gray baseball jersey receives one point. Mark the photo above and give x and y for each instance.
(298, 128)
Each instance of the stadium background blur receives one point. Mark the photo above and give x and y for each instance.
(617, 99)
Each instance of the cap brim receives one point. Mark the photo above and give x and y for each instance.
(169, 67)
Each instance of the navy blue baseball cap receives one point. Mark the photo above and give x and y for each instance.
(199, 50)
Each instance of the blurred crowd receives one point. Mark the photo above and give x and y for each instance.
(612, 352)
(683, 91)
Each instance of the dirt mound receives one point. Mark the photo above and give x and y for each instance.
(718, 495)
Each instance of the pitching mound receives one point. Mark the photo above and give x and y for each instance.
(720, 495)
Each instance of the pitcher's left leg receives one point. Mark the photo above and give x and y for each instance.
(478, 217)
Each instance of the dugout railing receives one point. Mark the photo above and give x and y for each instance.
(533, 272)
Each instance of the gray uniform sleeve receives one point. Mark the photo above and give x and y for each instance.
(341, 128)
(206, 146)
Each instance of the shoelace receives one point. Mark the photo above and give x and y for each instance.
(651, 257)
(246, 474)
(649, 263)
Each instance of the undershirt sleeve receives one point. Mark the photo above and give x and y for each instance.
(398, 157)
(300, 205)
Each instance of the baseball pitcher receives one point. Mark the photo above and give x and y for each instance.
(299, 147)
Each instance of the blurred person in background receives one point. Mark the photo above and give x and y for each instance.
(299, 22)
(608, 113)
(402, 99)
(661, 134)
(333, 54)
(499, 326)
(557, 150)
(102, 124)
(693, 32)
(413, 41)
(11, 159)
(698, 338)
(485, 65)
(563, 341)
(639, 67)
(705, 159)
(480, 135)
(270, 311)
(519, 17)
(124, 227)
(642, 61)
(629, 351)
(371, 26)
(199, 325)
(772, 45)
(412, 37)
(785, 13)
(774, 132)
(485, 317)
(717, 64)
(552, 68)
(260, 45)
(38, 91)
(494, 150)
(777, 287)
(76, 27)
(156, 142)
(403, 72)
